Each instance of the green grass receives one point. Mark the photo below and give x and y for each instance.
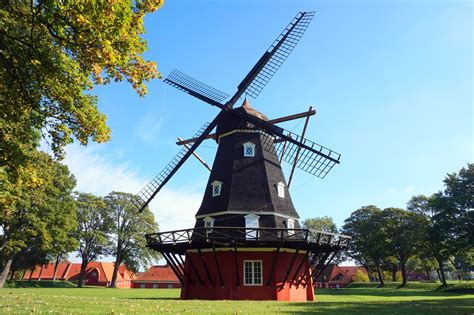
(361, 300)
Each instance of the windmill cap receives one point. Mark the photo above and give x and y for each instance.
(249, 109)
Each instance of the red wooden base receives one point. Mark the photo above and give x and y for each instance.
(230, 284)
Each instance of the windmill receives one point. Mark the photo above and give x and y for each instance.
(247, 242)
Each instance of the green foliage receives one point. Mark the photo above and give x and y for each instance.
(39, 284)
(51, 55)
(129, 226)
(324, 224)
(37, 215)
(360, 276)
(94, 224)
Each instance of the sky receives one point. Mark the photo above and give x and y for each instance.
(392, 83)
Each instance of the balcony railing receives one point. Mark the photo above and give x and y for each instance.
(241, 234)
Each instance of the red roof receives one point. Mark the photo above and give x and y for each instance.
(339, 274)
(70, 271)
(158, 274)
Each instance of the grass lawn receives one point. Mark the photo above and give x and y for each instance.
(424, 299)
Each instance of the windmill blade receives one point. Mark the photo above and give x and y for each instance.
(196, 88)
(312, 157)
(273, 58)
(147, 193)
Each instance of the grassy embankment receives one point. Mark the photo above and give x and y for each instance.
(417, 298)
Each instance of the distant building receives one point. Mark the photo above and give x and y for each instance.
(157, 277)
(97, 273)
(337, 276)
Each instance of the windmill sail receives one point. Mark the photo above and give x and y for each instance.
(196, 88)
(274, 57)
(147, 193)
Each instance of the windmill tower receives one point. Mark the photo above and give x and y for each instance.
(247, 242)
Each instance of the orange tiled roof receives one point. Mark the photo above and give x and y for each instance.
(158, 274)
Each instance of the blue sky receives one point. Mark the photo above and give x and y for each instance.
(391, 82)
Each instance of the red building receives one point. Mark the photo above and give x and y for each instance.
(97, 273)
(157, 277)
(335, 276)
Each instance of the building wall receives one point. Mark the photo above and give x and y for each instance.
(156, 285)
(231, 291)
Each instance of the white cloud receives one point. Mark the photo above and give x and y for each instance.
(100, 174)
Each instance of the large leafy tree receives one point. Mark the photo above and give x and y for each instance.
(51, 55)
(366, 244)
(94, 225)
(401, 234)
(37, 214)
(128, 232)
(324, 224)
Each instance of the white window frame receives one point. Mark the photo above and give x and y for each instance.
(216, 184)
(142, 286)
(209, 224)
(291, 226)
(155, 286)
(281, 189)
(253, 281)
(251, 221)
(250, 145)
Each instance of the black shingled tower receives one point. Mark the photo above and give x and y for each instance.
(249, 184)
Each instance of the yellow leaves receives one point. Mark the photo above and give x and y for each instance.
(35, 62)
(81, 19)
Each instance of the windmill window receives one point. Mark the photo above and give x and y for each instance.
(208, 224)
(216, 188)
(253, 272)
(291, 226)
(251, 223)
(281, 190)
(249, 149)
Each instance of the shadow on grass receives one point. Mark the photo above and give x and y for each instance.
(387, 292)
(39, 284)
(446, 306)
(153, 298)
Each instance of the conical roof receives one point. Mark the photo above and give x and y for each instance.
(249, 109)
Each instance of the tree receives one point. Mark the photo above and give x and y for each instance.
(437, 238)
(401, 234)
(324, 224)
(37, 213)
(94, 224)
(366, 245)
(128, 232)
(459, 193)
(52, 53)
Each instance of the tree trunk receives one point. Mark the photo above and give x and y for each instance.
(6, 269)
(12, 276)
(439, 275)
(56, 264)
(41, 273)
(31, 273)
(82, 273)
(404, 275)
(428, 276)
(394, 274)
(379, 272)
(441, 271)
(369, 273)
(114, 274)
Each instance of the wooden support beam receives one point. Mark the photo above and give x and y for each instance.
(322, 267)
(299, 267)
(217, 264)
(178, 274)
(196, 156)
(308, 268)
(311, 112)
(272, 272)
(186, 274)
(236, 265)
(188, 257)
(291, 266)
(205, 268)
(298, 150)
